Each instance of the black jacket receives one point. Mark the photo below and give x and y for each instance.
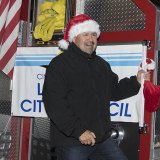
(77, 92)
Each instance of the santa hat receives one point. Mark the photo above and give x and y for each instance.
(77, 25)
(151, 92)
(150, 65)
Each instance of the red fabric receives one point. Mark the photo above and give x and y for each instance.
(152, 96)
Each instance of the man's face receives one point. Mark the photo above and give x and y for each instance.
(86, 41)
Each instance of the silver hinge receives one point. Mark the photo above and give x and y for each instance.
(147, 43)
(144, 129)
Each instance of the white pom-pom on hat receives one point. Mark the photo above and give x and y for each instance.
(63, 44)
(77, 25)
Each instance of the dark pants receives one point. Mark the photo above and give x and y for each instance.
(107, 150)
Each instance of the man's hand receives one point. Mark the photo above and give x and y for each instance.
(142, 73)
(88, 138)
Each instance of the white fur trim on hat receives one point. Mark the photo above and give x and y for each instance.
(63, 44)
(86, 26)
(152, 65)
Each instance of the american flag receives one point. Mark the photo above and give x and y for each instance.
(9, 28)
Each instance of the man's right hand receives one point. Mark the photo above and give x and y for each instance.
(88, 138)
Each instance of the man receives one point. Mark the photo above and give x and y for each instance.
(78, 88)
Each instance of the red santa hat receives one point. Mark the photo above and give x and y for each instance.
(77, 25)
(150, 65)
(151, 92)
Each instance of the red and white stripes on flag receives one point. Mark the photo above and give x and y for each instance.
(9, 28)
